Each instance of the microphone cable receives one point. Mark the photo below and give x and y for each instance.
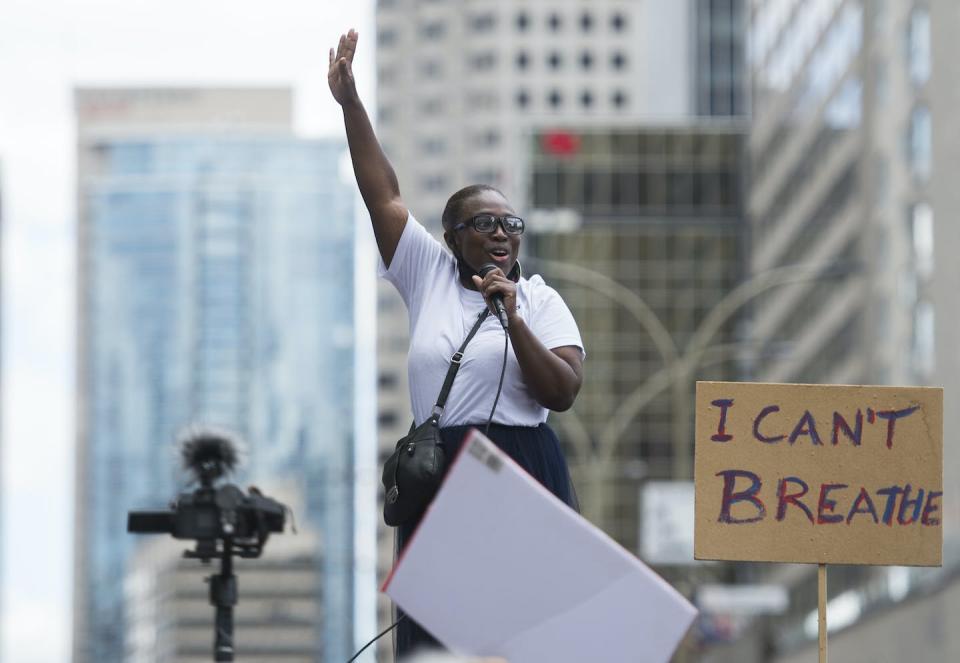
(382, 633)
(503, 370)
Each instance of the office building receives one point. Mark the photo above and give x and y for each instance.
(215, 286)
(656, 245)
(852, 152)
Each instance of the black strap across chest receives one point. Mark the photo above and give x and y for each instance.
(455, 366)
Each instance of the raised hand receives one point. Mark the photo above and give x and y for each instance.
(340, 73)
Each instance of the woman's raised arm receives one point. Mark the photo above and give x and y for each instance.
(375, 177)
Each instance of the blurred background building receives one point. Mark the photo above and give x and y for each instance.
(215, 286)
(851, 151)
(658, 244)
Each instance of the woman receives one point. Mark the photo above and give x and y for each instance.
(444, 294)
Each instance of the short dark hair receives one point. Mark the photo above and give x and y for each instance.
(454, 208)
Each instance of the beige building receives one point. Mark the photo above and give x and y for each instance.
(276, 619)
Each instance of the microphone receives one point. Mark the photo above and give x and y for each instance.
(208, 453)
(497, 297)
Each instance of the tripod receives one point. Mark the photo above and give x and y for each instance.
(209, 514)
(223, 596)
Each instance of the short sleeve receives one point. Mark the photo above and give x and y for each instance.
(553, 323)
(417, 261)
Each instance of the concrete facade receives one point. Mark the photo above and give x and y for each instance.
(852, 150)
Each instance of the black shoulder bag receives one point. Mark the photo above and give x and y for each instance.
(413, 472)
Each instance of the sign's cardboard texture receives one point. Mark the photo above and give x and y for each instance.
(823, 474)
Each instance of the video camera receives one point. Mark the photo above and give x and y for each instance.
(211, 514)
(223, 520)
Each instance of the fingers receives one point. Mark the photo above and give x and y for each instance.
(493, 282)
(492, 276)
(347, 45)
(350, 44)
(331, 57)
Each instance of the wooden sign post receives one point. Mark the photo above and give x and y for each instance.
(822, 474)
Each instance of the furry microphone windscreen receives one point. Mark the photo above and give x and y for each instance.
(209, 452)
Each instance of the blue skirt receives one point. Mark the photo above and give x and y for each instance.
(535, 449)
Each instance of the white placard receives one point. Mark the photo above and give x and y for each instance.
(501, 567)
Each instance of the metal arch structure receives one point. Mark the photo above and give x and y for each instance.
(678, 365)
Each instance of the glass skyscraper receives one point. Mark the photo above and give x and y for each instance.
(216, 287)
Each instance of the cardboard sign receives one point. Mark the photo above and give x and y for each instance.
(819, 473)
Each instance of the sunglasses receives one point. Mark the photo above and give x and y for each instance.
(487, 223)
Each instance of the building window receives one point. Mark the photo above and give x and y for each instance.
(434, 183)
(586, 99)
(485, 176)
(618, 22)
(483, 22)
(386, 75)
(483, 99)
(555, 60)
(487, 138)
(619, 99)
(618, 60)
(920, 143)
(522, 22)
(844, 110)
(431, 106)
(388, 380)
(555, 22)
(387, 419)
(431, 69)
(432, 146)
(523, 60)
(555, 99)
(483, 61)
(586, 60)
(433, 30)
(918, 45)
(522, 98)
(924, 338)
(386, 38)
(921, 231)
(586, 22)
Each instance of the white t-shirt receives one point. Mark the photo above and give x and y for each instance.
(442, 312)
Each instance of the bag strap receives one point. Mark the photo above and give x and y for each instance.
(455, 366)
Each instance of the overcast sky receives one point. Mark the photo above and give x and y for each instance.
(46, 48)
